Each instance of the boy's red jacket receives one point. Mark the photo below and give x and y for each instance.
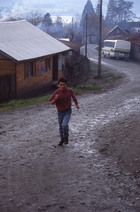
(64, 100)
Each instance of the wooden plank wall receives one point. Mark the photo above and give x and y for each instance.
(30, 84)
(7, 87)
(6, 67)
(136, 52)
(7, 80)
(24, 85)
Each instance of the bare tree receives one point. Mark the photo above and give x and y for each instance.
(119, 11)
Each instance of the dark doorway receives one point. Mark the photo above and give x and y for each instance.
(7, 87)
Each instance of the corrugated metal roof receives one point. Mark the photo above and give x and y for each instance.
(21, 40)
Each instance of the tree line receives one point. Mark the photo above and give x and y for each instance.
(118, 11)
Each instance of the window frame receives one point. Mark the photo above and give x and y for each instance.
(48, 64)
(28, 69)
(61, 62)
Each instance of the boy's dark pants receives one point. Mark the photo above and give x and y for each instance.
(63, 119)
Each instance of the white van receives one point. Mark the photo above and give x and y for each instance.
(116, 49)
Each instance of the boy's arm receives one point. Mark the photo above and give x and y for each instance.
(77, 106)
(74, 99)
(54, 98)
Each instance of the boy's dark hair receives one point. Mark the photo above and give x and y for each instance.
(62, 80)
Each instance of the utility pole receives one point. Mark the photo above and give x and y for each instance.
(100, 42)
(72, 33)
(86, 37)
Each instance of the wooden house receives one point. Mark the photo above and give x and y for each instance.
(30, 60)
(117, 32)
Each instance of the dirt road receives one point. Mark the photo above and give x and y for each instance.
(99, 171)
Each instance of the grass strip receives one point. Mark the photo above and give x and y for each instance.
(19, 103)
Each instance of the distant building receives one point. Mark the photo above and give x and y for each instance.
(117, 32)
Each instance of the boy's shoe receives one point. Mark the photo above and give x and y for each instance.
(61, 142)
(66, 141)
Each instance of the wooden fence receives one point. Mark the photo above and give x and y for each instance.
(76, 68)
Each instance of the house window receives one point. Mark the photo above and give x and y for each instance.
(48, 64)
(60, 62)
(28, 69)
(40, 67)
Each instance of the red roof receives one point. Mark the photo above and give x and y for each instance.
(71, 44)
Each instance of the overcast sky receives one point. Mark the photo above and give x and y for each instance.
(62, 7)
